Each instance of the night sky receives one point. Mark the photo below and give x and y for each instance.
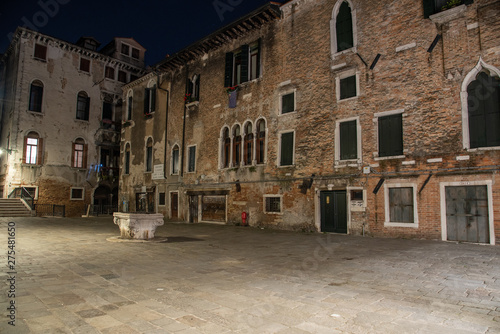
(162, 27)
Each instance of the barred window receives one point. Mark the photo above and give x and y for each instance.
(273, 204)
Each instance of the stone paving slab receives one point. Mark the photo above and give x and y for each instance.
(227, 279)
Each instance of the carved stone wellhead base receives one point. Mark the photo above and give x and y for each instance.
(136, 225)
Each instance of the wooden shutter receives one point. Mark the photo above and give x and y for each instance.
(348, 141)
(197, 86)
(153, 99)
(245, 56)
(348, 87)
(228, 75)
(390, 130)
(87, 108)
(259, 42)
(84, 160)
(288, 103)
(146, 101)
(73, 151)
(39, 157)
(192, 157)
(428, 8)
(401, 205)
(25, 148)
(287, 149)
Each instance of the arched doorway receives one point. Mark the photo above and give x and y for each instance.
(103, 200)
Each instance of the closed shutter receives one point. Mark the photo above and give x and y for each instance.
(401, 205)
(228, 74)
(348, 141)
(348, 87)
(428, 8)
(25, 148)
(39, 159)
(345, 38)
(390, 131)
(192, 157)
(73, 148)
(153, 99)
(288, 103)
(287, 149)
(245, 55)
(87, 108)
(259, 42)
(146, 100)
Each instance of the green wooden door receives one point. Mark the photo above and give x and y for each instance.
(334, 211)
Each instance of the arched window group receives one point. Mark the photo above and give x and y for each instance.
(243, 145)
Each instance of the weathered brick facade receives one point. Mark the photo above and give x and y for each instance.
(418, 84)
(43, 79)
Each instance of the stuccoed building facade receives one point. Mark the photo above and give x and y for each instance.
(349, 116)
(61, 118)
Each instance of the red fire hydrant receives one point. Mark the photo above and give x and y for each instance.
(244, 218)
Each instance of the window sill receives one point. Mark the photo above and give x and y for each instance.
(40, 59)
(192, 104)
(274, 213)
(37, 113)
(394, 157)
(84, 72)
(477, 149)
(407, 225)
(288, 113)
(448, 15)
(31, 165)
(348, 99)
(348, 163)
(81, 121)
(351, 50)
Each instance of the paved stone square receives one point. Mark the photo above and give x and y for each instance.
(228, 279)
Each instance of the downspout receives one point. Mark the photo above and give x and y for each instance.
(166, 126)
(184, 125)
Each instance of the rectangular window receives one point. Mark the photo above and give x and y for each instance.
(125, 49)
(84, 65)
(83, 107)
(135, 53)
(175, 161)
(242, 65)
(390, 135)
(40, 52)
(348, 140)
(122, 76)
(288, 103)
(348, 87)
(31, 151)
(109, 73)
(287, 149)
(401, 205)
(78, 159)
(150, 100)
(161, 199)
(77, 194)
(272, 204)
(192, 159)
(36, 94)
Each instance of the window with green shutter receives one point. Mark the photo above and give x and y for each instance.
(287, 148)
(192, 159)
(348, 87)
(343, 28)
(242, 65)
(483, 104)
(348, 140)
(390, 135)
(150, 100)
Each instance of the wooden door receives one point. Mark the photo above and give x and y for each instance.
(334, 211)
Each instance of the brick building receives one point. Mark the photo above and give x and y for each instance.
(61, 118)
(350, 116)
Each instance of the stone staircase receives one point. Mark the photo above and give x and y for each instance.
(13, 207)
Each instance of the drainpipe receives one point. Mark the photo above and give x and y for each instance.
(166, 126)
(184, 125)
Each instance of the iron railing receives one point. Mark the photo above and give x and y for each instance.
(50, 210)
(24, 194)
(96, 210)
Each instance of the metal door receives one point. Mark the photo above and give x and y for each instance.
(334, 211)
(467, 214)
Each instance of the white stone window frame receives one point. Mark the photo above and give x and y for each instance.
(333, 30)
(376, 116)
(489, 190)
(471, 76)
(222, 147)
(272, 196)
(172, 159)
(280, 134)
(387, 222)
(254, 143)
(195, 158)
(281, 95)
(77, 198)
(343, 75)
(359, 158)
